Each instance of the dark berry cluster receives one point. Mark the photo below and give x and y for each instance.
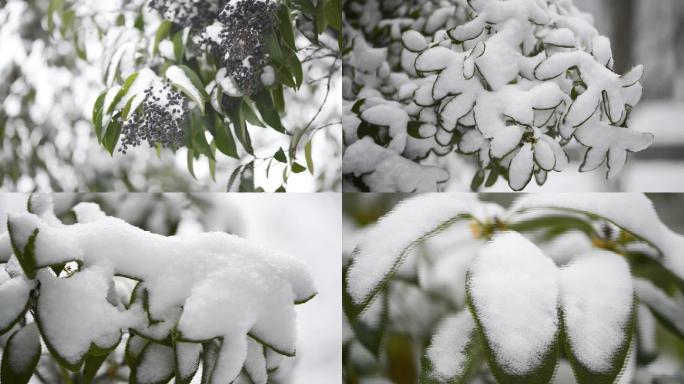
(162, 120)
(188, 13)
(241, 45)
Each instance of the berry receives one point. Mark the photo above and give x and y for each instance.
(162, 120)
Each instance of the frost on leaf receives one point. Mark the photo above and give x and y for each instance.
(598, 306)
(513, 294)
(491, 78)
(211, 287)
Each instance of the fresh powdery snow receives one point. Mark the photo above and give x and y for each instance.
(597, 300)
(449, 349)
(380, 251)
(14, 295)
(513, 80)
(204, 287)
(514, 291)
(156, 365)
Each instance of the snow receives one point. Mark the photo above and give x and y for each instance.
(5, 247)
(520, 171)
(268, 76)
(14, 295)
(178, 77)
(23, 348)
(597, 303)
(449, 349)
(257, 289)
(633, 212)
(227, 84)
(156, 364)
(394, 118)
(386, 171)
(255, 364)
(514, 291)
(414, 41)
(659, 302)
(380, 250)
(80, 299)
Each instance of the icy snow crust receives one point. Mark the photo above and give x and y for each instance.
(211, 285)
(511, 82)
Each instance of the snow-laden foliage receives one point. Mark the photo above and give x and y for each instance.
(511, 82)
(232, 64)
(513, 292)
(213, 297)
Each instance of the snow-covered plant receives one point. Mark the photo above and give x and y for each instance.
(482, 292)
(233, 62)
(212, 300)
(511, 82)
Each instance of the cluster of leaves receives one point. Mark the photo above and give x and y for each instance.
(426, 294)
(137, 355)
(509, 84)
(183, 51)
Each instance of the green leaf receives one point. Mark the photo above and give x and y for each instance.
(308, 156)
(233, 177)
(285, 25)
(112, 133)
(249, 114)
(92, 365)
(269, 114)
(239, 127)
(26, 254)
(668, 312)
(224, 139)
(247, 178)
(295, 67)
(320, 20)
(162, 32)
(185, 79)
(477, 181)
(97, 115)
(280, 156)
(333, 13)
(190, 161)
(298, 168)
(178, 46)
(23, 350)
(124, 90)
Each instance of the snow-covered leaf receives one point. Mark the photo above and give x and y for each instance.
(452, 351)
(522, 165)
(384, 247)
(187, 361)
(154, 365)
(14, 300)
(414, 41)
(669, 312)
(188, 82)
(20, 355)
(513, 293)
(599, 311)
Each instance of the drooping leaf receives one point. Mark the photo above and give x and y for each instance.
(20, 355)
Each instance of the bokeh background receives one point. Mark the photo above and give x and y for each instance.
(306, 226)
